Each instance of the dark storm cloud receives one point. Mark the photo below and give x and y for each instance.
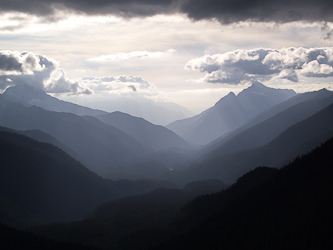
(236, 66)
(225, 11)
(124, 8)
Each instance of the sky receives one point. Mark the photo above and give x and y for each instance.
(190, 52)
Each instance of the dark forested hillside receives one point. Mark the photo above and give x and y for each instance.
(129, 223)
(133, 222)
(17, 240)
(39, 183)
(47, 182)
(292, 209)
(267, 208)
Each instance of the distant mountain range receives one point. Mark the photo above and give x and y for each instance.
(30, 96)
(98, 145)
(273, 143)
(160, 113)
(271, 123)
(152, 136)
(229, 113)
(118, 145)
(39, 183)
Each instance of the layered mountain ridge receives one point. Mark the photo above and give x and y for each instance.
(30, 96)
(229, 113)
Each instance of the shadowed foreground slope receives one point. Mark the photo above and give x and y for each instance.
(39, 183)
(290, 210)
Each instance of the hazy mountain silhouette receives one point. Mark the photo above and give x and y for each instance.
(48, 183)
(30, 96)
(296, 140)
(43, 137)
(159, 113)
(39, 183)
(138, 170)
(154, 137)
(229, 113)
(264, 130)
(97, 144)
(153, 165)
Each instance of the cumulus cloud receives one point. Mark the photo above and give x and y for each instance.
(225, 11)
(119, 84)
(15, 63)
(60, 83)
(130, 55)
(236, 66)
(38, 71)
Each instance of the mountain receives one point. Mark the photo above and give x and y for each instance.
(30, 96)
(296, 140)
(154, 137)
(175, 107)
(267, 208)
(97, 144)
(46, 182)
(153, 165)
(128, 223)
(16, 240)
(159, 113)
(268, 125)
(291, 209)
(229, 113)
(43, 137)
(39, 183)
(123, 224)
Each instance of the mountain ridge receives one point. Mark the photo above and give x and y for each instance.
(30, 96)
(296, 140)
(99, 148)
(151, 136)
(262, 132)
(229, 113)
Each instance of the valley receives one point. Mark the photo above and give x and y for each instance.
(102, 180)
